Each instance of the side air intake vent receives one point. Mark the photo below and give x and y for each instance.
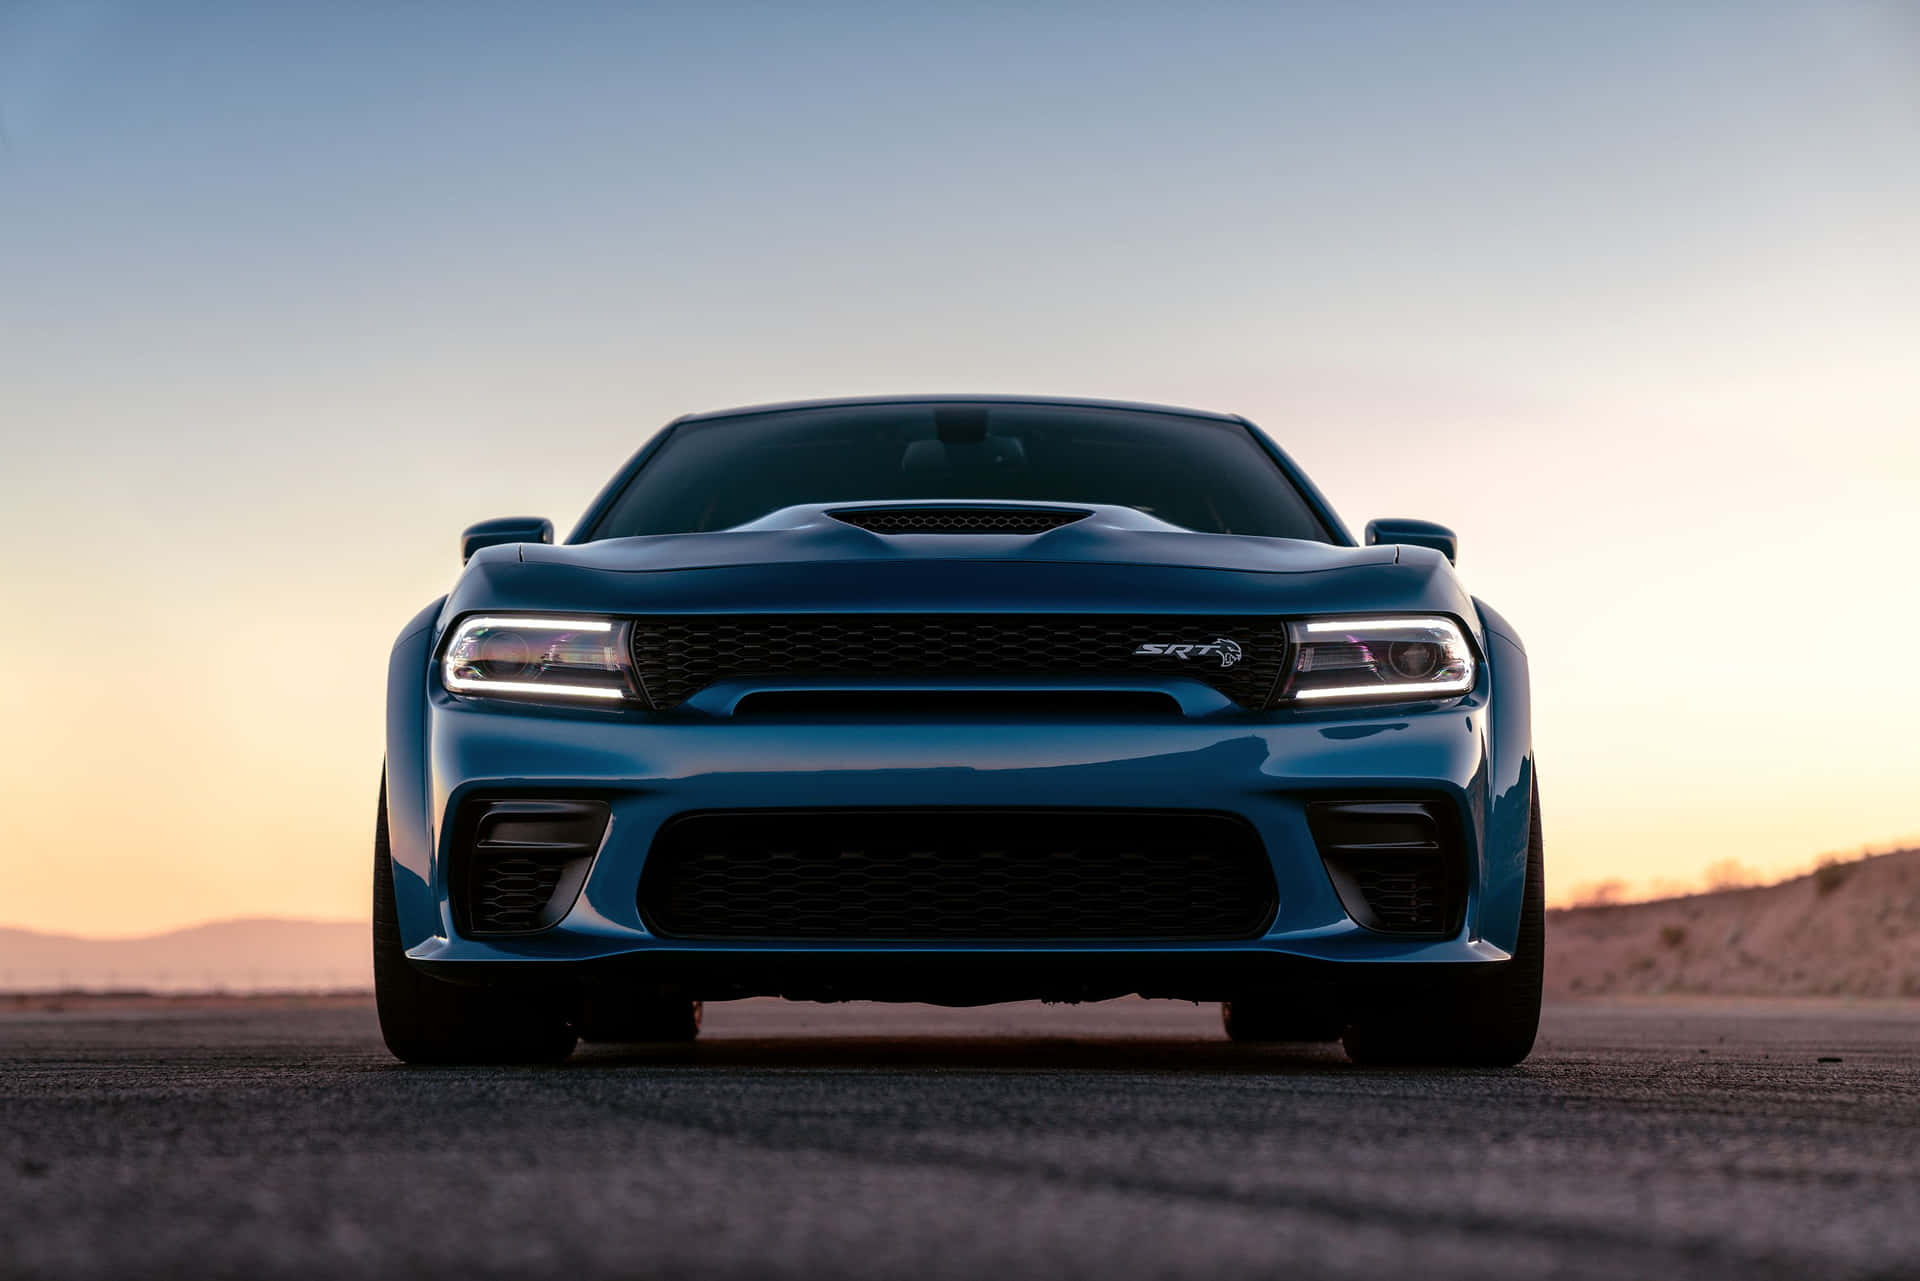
(517, 866)
(1397, 865)
(960, 520)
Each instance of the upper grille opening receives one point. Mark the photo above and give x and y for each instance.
(960, 520)
(678, 655)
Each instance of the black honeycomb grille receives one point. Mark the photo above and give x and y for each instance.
(679, 655)
(983, 875)
(959, 520)
(1405, 895)
(517, 865)
(508, 895)
(1398, 866)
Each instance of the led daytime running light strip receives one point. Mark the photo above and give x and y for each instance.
(1387, 624)
(550, 624)
(1387, 693)
(532, 687)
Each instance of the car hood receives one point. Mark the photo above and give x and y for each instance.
(805, 558)
(814, 533)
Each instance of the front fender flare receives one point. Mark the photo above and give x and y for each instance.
(1510, 781)
(409, 815)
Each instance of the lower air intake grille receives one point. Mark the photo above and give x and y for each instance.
(1402, 894)
(1397, 865)
(509, 894)
(517, 866)
(960, 520)
(679, 655)
(985, 875)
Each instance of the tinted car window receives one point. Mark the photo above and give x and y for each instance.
(1203, 474)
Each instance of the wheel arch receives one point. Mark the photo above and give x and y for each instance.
(1510, 782)
(409, 818)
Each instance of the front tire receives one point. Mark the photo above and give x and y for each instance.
(1489, 1020)
(426, 1020)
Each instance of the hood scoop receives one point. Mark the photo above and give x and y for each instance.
(959, 519)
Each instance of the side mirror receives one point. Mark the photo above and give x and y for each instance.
(507, 529)
(1414, 533)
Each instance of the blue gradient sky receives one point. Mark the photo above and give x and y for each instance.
(1629, 295)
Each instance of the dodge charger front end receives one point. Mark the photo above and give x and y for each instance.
(959, 700)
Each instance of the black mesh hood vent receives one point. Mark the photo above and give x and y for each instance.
(959, 520)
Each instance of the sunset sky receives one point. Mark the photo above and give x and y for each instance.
(1628, 295)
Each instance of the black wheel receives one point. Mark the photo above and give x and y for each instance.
(425, 1020)
(1261, 1018)
(617, 1017)
(1489, 1020)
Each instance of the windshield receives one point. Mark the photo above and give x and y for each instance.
(1205, 474)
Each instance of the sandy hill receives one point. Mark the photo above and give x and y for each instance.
(1849, 929)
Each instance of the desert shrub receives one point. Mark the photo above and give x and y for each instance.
(1829, 877)
(1673, 935)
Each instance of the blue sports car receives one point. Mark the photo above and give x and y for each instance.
(958, 699)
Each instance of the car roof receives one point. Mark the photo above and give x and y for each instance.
(856, 401)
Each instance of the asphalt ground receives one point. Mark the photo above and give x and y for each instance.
(1127, 1139)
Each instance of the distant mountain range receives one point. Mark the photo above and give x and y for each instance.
(261, 954)
(1849, 929)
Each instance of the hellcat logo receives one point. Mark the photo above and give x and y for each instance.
(1228, 652)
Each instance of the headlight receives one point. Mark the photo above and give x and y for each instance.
(583, 659)
(1378, 660)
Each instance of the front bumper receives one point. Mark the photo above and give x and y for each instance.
(1264, 768)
